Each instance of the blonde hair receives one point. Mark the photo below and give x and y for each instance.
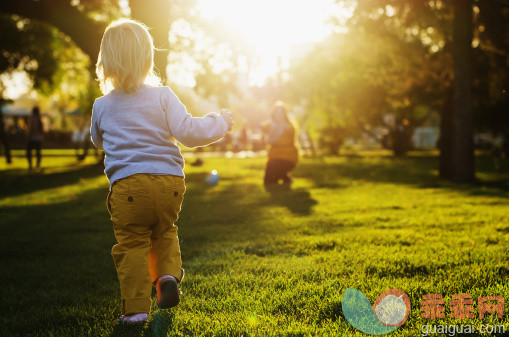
(126, 57)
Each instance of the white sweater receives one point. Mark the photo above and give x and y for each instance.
(137, 131)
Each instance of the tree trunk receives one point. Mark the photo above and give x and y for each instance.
(83, 30)
(462, 131)
(4, 140)
(445, 140)
(401, 139)
(156, 15)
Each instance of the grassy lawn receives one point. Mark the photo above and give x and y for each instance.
(257, 264)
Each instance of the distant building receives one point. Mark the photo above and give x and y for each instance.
(426, 136)
(12, 111)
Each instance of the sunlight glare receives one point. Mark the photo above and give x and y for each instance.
(272, 27)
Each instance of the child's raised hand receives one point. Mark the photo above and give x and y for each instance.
(227, 116)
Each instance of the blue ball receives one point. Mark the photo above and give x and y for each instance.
(213, 177)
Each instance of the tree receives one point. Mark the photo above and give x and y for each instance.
(160, 15)
(457, 26)
(428, 50)
(361, 77)
(67, 16)
(461, 161)
(19, 52)
(85, 21)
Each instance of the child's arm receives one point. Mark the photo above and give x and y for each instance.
(188, 130)
(95, 133)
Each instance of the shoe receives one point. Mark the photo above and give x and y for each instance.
(168, 292)
(134, 318)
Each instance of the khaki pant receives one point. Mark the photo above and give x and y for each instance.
(143, 210)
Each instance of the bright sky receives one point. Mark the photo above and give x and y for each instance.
(272, 26)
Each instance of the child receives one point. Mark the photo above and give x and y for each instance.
(135, 123)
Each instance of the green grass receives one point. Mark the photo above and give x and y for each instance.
(257, 264)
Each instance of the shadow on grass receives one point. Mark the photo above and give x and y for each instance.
(158, 326)
(57, 256)
(297, 201)
(13, 185)
(232, 213)
(247, 199)
(421, 171)
(124, 330)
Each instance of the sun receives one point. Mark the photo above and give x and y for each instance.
(272, 27)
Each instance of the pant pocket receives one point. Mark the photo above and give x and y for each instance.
(169, 197)
(172, 189)
(131, 211)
